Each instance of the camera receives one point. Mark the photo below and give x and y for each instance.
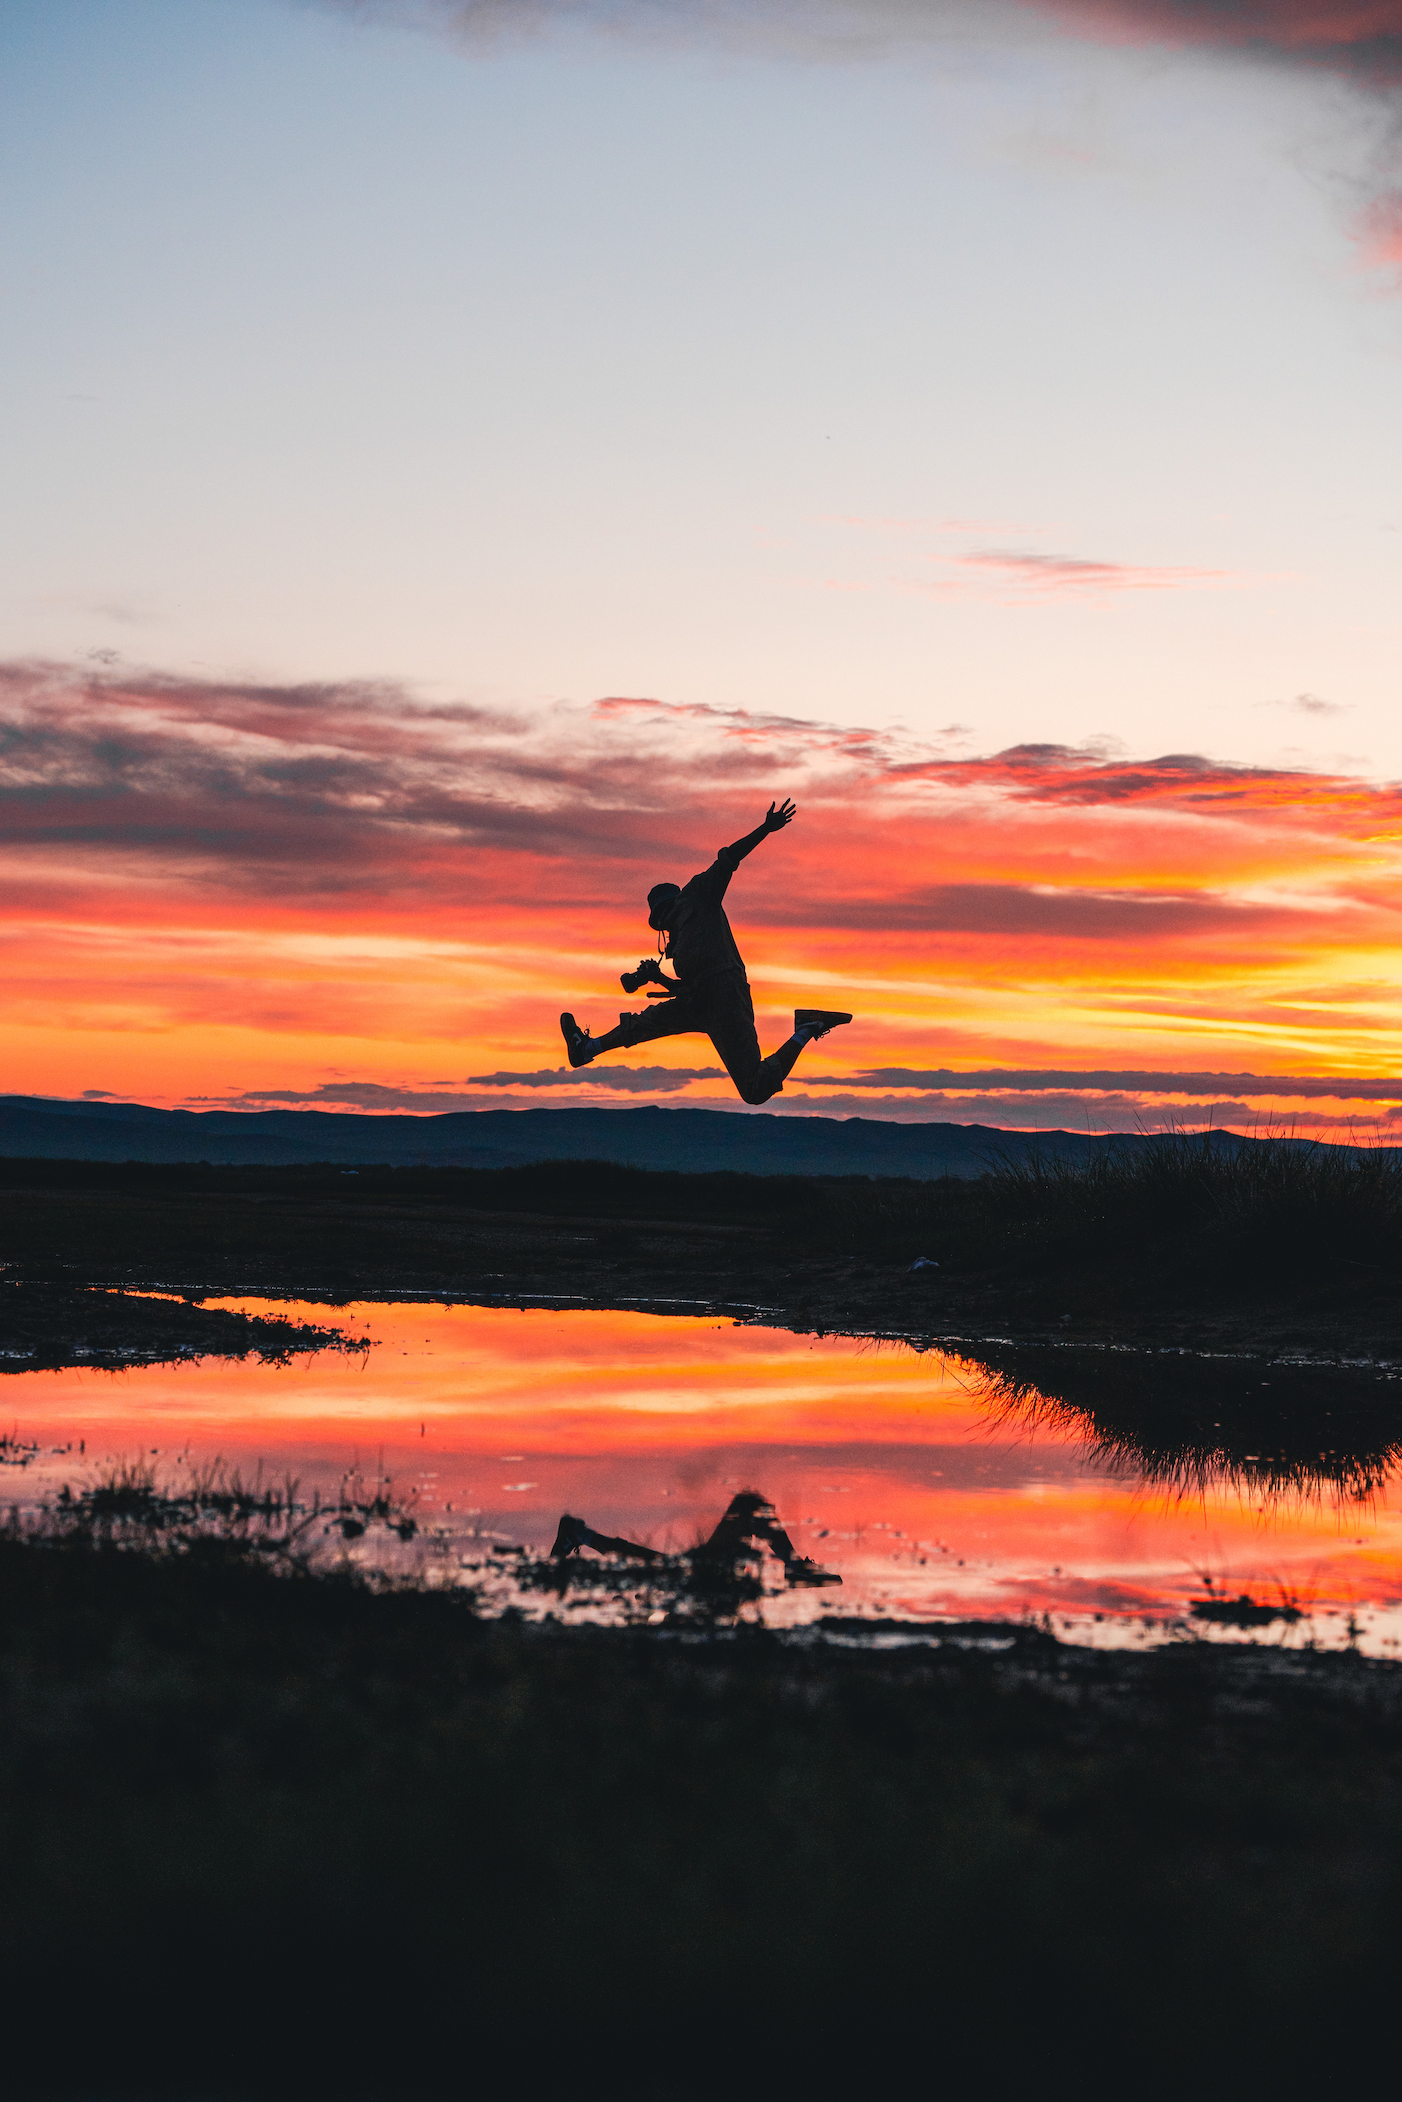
(648, 971)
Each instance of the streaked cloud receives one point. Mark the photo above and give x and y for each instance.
(1359, 38)
(329, 784)
(1309, 704)
(1358, 42)
(1067, 912)
(631, 1080)
(1211, 1086)
(1055, 575)
(372, 1095)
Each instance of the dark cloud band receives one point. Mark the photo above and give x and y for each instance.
(1359, 38)
(1214, 1086)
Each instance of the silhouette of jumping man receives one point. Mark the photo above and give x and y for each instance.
(749, 1521)
(710, 992)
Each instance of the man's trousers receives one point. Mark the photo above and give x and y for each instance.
(720, 1008)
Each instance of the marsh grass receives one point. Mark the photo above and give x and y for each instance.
(212, 1510)
(1274, 1207)
(1215, 1211)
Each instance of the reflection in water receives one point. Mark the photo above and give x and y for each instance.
(1107, 1491)
(711, 1581)
(749, 1526)
(1200, 1425)
(1244, 1611)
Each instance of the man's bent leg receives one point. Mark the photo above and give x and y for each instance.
(750, 1519)
(747, 1518)
(730, 1024)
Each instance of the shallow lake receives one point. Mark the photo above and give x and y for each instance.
(911, 1475)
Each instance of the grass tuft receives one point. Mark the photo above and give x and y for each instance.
(1250, 1214)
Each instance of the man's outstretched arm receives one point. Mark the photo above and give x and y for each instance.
(778, 815)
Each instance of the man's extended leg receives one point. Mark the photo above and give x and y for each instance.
(668, 1018)
(575, 1533)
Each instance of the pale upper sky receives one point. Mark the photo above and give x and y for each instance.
(989, 381)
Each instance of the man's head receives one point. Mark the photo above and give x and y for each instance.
(660, 900)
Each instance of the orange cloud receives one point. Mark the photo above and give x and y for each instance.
(343, 894)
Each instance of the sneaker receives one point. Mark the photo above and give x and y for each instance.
(817, 1020)
(578, 1042)
(803, 1571)
(572, 1535)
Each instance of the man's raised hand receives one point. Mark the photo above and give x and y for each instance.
(780, 814)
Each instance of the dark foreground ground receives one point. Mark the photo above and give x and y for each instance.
(268, 1834)
(271, 1834)
(1186, 1243)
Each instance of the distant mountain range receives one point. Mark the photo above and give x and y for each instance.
(32, 1126)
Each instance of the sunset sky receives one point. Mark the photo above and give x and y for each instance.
(464, 460)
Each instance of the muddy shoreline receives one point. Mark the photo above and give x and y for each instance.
(339, 1239)
(708, 1272)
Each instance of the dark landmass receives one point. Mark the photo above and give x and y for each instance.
(695, 1141)
(281, 1835)
(1270, 1249)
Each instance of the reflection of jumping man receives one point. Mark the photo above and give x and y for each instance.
(710, 991)
(749, 1526)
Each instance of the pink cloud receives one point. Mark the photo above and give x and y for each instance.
(1380, 232)
(1359, 37)
(1062, 575)
(357, 789)
(1362, 37)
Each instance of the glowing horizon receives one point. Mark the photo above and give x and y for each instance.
(260, 896)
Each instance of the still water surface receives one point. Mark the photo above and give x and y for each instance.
(898, 1470)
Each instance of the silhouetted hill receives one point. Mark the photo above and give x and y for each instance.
(694, 1140)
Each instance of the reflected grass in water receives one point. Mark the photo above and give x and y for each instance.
(212, 1512)
(212, 1509)
(1195, 1425)
(47, 1326)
